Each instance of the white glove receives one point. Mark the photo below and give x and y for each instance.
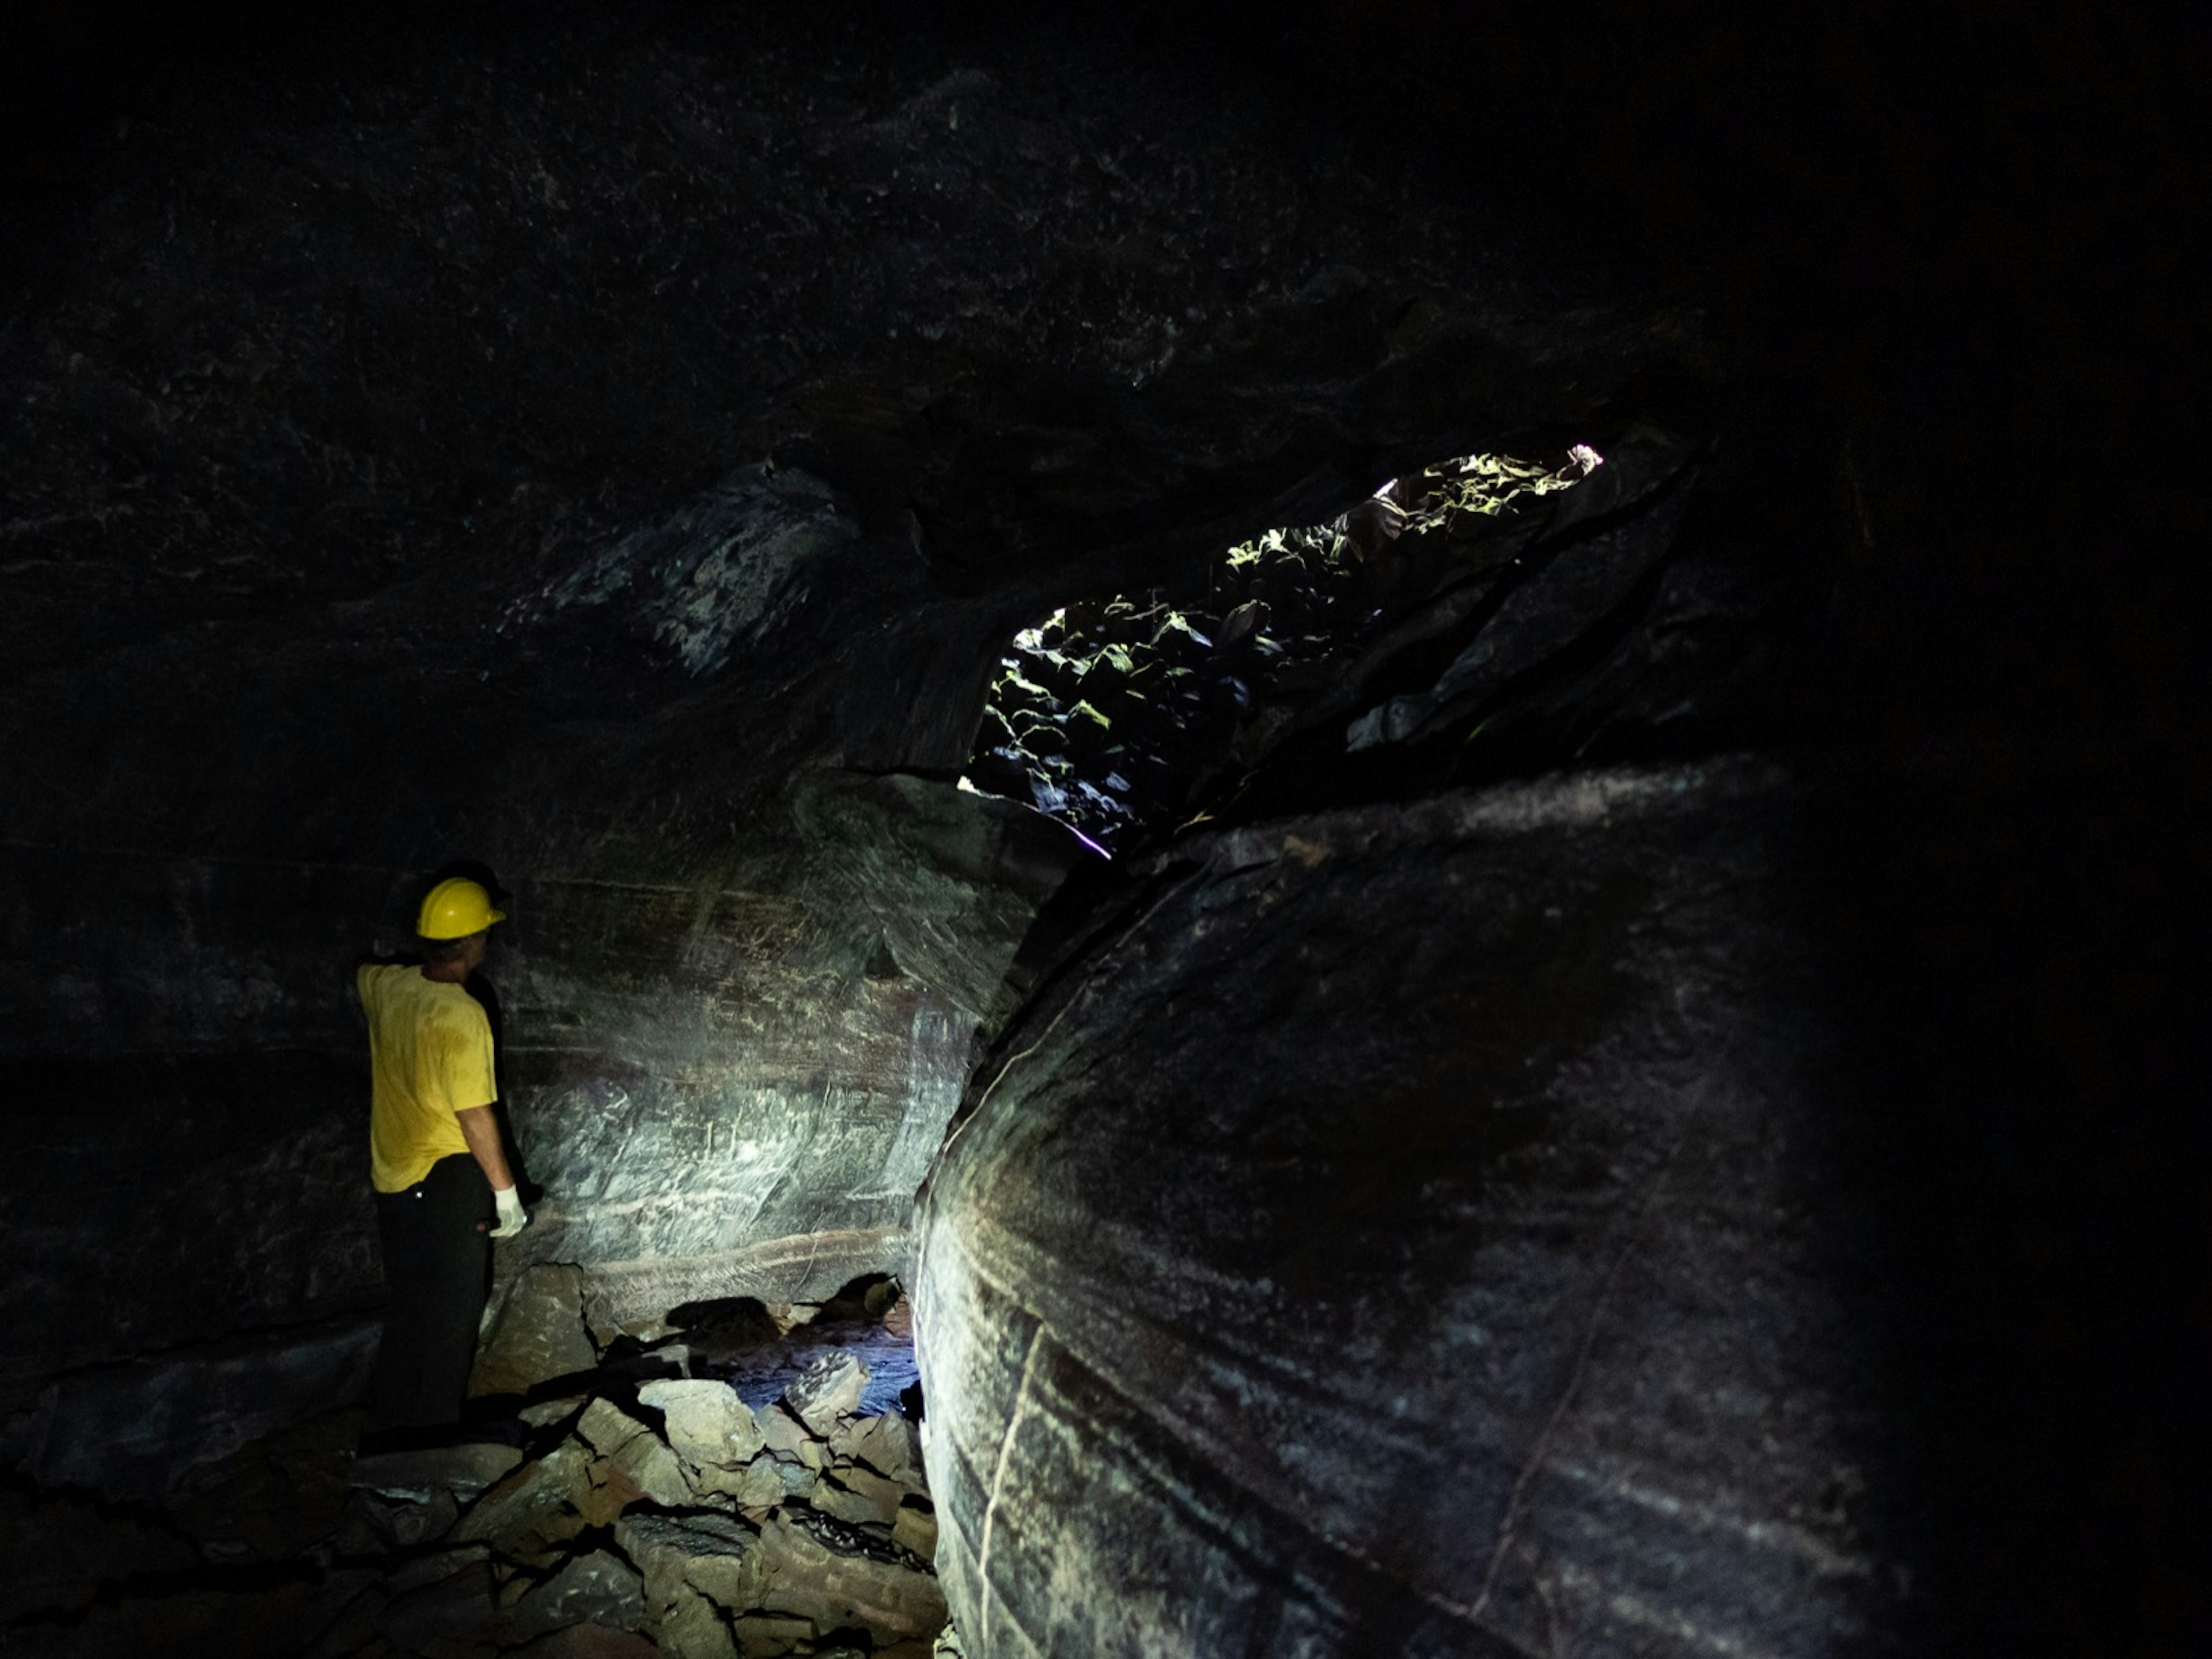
(511, 1219)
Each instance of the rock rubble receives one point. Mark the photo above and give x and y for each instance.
(674, 1512)
(631, 1514)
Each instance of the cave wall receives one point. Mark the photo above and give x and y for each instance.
(736, 1008)
(600, 452)
(1503, 1285)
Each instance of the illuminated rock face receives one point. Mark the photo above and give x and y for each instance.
(1410, 1231)
(725, 1081)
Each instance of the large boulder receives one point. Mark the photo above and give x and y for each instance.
(1421, 1228)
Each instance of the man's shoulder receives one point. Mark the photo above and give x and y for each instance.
(379, 976)
(404, 984)
(453, 1006)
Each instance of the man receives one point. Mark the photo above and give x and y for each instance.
(434, 1158)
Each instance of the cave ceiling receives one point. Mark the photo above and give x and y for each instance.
(307, 337)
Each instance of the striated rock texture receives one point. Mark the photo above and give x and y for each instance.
(1491, 1290)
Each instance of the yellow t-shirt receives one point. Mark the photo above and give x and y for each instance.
(429, 1056)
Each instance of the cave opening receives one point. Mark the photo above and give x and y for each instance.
(1125, 715)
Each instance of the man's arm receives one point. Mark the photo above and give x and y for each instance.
(480, 1128)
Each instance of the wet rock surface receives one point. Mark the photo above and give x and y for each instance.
(1492, 1291)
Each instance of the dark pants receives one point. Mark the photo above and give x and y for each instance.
(437, 1267)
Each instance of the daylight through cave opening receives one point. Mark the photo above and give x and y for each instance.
(1134, 713)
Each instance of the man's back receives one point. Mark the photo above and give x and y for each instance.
(431, 1057)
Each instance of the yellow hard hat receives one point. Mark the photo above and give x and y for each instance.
(455, 908)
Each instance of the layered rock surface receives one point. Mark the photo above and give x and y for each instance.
(1492, 1290)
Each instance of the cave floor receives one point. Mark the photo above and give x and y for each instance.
(571, 1518)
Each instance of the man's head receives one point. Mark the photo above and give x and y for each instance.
(455, 925)
(457, 956)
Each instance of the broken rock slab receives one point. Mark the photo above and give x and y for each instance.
(695, 1628)
(769, 1635)
(830, 1389)
(857, 1495)
(539, 1333)
(543, 1413)
(607, 1428)
(709, 1555)
(823, 1570)
(914, 1528)
(374, 1524)
(634, 1461)
(598, 1588)
(275, 1497)
(708, 1426)
(540, 1506)
(756, 1488)
(790, 1439)
(887, 1444)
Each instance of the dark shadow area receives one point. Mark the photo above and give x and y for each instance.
(2029, 1001)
